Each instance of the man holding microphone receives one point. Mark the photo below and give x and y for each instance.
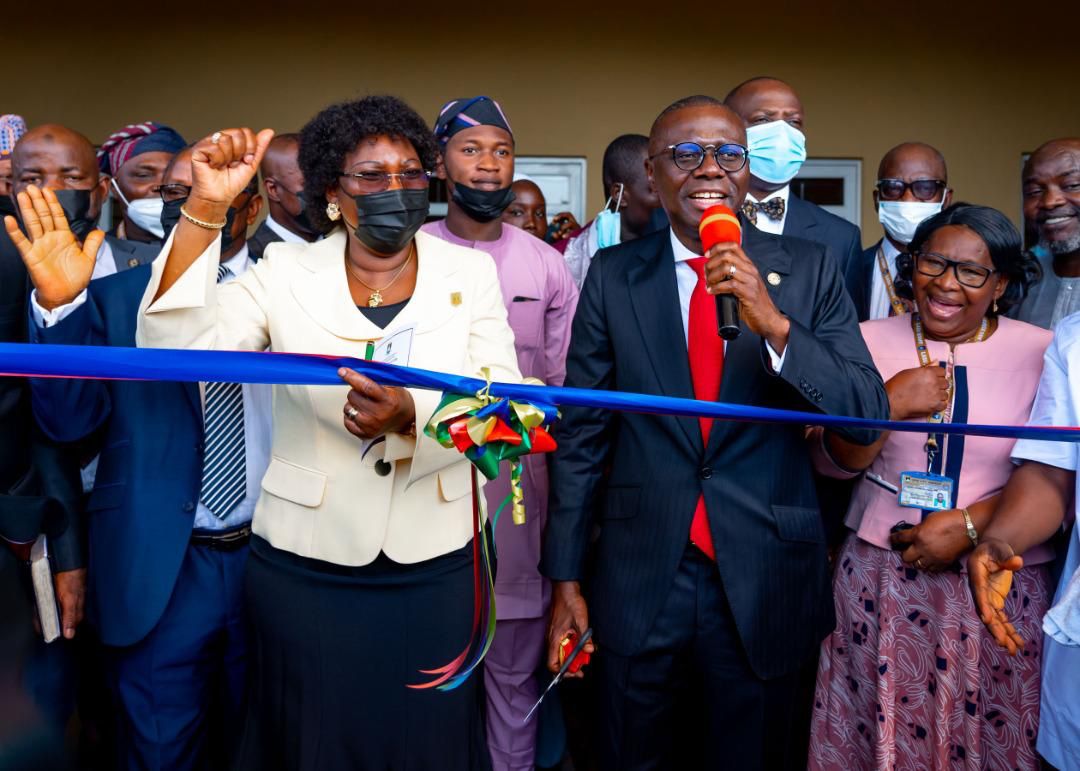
(711, 571)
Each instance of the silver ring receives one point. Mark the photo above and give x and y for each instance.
(215, 137)
(918, 564)
(732, 270)
(352, 412)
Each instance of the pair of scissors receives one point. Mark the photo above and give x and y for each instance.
(562, 671)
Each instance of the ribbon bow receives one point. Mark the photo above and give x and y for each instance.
(489, 429)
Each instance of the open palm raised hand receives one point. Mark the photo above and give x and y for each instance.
(59, 266)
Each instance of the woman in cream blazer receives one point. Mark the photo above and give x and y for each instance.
(361, 566)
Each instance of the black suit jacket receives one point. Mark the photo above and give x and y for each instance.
(810, 222)
(40, 487)
(756, 479)
(860, 279)
(260, 239)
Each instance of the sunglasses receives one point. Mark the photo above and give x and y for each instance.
(922, 189)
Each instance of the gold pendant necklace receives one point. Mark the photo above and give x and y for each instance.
(375, 299)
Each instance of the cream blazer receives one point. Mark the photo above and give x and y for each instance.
(319, 499)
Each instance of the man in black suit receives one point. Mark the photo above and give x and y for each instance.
(912, 186)
(287, 218)
(711, 571)
(773, 114)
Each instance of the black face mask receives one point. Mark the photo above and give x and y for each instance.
(7, 206)
(387, 221)
(76, 206)
(170, 215)
(482, 205)
(302, 220)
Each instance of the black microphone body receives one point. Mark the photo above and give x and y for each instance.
(727, 316)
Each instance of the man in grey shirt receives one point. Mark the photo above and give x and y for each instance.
(1051, 182)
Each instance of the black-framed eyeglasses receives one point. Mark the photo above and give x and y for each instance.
(923, 189)
(689, 156)
(967, 273)
(367, 182)
(176, 192)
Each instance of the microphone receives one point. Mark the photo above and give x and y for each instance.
(720, 225)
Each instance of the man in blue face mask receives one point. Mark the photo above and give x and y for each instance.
(774, 116)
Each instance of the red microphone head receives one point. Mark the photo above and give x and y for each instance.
(719, 225)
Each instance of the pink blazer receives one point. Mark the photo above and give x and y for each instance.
(1002, 376)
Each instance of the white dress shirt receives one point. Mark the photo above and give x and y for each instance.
(879, 294)
(257, 410)
(766, 224)
(686, 279)
(286, 235)
(105, 264)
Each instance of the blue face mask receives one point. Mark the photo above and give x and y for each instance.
(608, 223)
(777, 151)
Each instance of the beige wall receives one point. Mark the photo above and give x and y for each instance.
(982, 90)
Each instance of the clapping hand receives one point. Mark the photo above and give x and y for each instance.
(59, 266)
(222, 165)
(990, 571)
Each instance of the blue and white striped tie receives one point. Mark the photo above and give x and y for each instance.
(224, 478)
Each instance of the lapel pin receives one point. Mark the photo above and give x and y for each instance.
(455, 298)
(773, 278)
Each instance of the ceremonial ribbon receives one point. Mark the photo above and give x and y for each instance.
(109, 363)
(489, 422)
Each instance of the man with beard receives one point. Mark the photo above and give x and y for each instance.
(1051, 193)
(711, 584)
(287, 218)
(540, 297)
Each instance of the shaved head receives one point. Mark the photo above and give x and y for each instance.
(1051, 195)
(1055, 147)
(762, 92)
(280, 158)
(54, 139)
(899, 162)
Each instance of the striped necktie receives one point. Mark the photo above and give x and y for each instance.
(224, 478)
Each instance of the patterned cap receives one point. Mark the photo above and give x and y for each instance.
(460, 114)
(11, 128)
(135, 139)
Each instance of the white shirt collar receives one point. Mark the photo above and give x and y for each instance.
(784, 193)
(239, 262)
(284, 232)
(682, 254)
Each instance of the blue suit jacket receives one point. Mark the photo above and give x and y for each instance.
(757, 479)
(142, 508)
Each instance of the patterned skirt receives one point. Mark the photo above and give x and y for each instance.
(911, 679)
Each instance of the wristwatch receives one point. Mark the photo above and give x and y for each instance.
(972, 533)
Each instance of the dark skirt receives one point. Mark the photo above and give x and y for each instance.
(333, 649)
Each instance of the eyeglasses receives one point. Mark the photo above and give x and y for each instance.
(689, 156)
(922, 189)
(967, 273)
(367, 182)
(177, 192)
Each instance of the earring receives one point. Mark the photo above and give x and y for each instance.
(995, 307)
(333, 213)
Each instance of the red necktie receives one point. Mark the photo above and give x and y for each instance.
(706, 371)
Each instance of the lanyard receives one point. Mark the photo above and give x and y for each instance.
(899, 309)
(950, 366)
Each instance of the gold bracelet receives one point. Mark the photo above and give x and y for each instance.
(972, 533)
(202, 223)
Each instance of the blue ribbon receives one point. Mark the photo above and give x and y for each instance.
(109, 363)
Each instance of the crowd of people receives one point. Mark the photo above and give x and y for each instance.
(262, 577)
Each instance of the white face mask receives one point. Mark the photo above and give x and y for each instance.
(902, 218)
(144, 212)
